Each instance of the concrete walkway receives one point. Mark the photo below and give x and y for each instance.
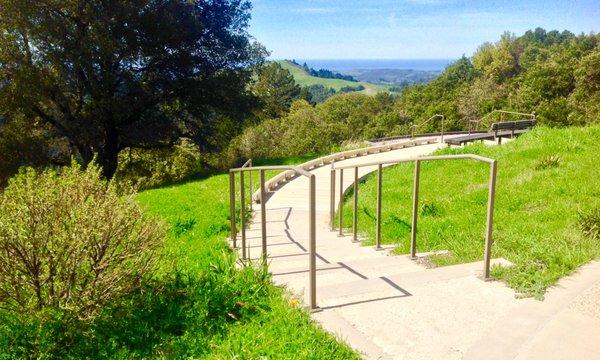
(390, 307)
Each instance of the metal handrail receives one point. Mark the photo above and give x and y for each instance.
(329, 159)
(414, 126)
(501, 112)
(263, 192)
(417, 161)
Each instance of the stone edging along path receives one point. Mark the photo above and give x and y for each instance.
(391, 307)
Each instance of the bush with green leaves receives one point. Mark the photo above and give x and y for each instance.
(148, 168)
(70, 242)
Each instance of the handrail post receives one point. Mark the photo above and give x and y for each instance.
(490, 221)
(312, 245)
(412, 131)
(355, 207)
(332, 197)
(378, 228)
(341, 206)
(233, 233)
(251, 189)
(442, 137)
(415, 208)
(263, 215)
(243, 213)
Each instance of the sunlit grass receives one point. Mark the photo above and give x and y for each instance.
(546, 179)
(269, 324)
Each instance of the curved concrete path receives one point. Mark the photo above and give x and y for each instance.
(390, 307)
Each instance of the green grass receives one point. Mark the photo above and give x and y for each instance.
(198, 304)
(546, 180)
(304, 79)
(263, 324)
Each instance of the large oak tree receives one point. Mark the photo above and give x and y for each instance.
(114, 74)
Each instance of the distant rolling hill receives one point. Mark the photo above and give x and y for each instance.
(394, 77)
(304, 79)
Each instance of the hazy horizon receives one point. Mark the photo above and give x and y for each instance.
(379, 64)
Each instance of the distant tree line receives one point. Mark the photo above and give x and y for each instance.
(324, 73)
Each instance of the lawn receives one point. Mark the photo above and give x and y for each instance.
(259, 319)
(304, 79)
(547, 183)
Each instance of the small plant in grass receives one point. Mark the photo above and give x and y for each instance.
(429, 208)
(548, 162)
(589, 223)
(70, 242)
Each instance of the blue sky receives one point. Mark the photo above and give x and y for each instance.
(413, 29)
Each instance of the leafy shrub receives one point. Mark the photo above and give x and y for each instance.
(152, 168)
(547, 162)
(26, 144)
(69, 242)
(429, 208)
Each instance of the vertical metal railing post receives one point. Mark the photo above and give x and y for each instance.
(251, 188)
(312, 244)
(232, 213)
(263, 215)
(243, 214)
(415, 211)
(442, 135)
(341, 206)
(355, 208)
(332, 197)
(490, 221)
(379, 194)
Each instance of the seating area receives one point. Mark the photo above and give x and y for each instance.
(498, 130)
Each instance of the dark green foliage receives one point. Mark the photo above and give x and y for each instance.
(347, 89)
(25, 144)
(158, 167)
(109, 75)
(276, 89)
(319, 93)
(429, 208)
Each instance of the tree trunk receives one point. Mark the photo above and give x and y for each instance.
(108, 156)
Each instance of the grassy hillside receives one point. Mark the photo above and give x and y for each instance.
(304, 79)
(547, 184)
(229, 313)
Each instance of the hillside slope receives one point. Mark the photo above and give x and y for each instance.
(547, 187)
(304, 79)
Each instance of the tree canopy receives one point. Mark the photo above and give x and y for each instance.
(114, 74)
(276, 89)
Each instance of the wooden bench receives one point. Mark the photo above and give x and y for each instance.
(498, 131)
(512, 127)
